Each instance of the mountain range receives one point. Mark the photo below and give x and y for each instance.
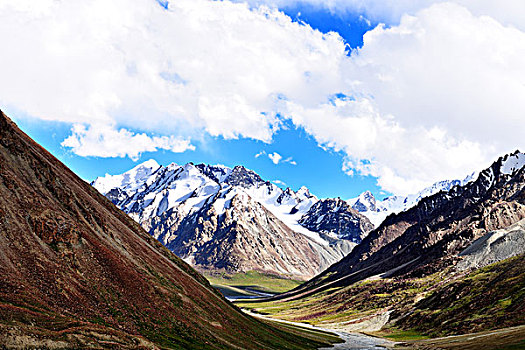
(427, 237)
(229, 219)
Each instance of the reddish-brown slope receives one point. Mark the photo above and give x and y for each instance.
(74, 268)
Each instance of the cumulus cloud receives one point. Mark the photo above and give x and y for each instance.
(276, 158)
(279, 183)
(197, 66)
(435, 97)
(436, 94)
(104, 141)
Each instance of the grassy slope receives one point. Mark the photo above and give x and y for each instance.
(252, 279)
(489, 298)
(441, 304)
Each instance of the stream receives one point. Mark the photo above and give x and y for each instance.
(257, 294)
(352, 341)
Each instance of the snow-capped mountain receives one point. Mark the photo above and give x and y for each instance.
(219, 218)
(376, 211)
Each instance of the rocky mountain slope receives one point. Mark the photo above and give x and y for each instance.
(448, 303)
(493, 247)
(335, 217)
(222, 219)
(76, 272)
(428, 237)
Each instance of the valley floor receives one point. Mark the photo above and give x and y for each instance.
(251, 284)
(349, 341)
(512, 338)
(481, 309)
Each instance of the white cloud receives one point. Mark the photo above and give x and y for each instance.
(279, 183)
(201, 66)
(275, 157)
(104, 141)
(435, 97)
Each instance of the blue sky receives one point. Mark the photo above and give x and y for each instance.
(317, 168)
(404, 94)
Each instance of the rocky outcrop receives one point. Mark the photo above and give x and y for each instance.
(493, 247)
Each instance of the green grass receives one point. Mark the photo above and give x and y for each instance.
(400, 335)
(254, 280)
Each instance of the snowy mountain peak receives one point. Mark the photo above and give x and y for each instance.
(304, 192)
(513, 162)
(365, 202)
(150, 163)
(218, 173)
(129, 181)
(190, 206)
(240, 176)
(377, 211)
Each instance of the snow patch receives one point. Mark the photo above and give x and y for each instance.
(513, 163)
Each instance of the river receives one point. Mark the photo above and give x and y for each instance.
(352, 341)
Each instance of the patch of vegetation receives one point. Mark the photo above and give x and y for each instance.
(312, 334)
(253, 280)
(519, 346)
(359, 300)
(490, 298)
(441, 304)
(400, 335)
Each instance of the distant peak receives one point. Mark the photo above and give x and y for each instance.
(304, 191)
(150, 163)
(243, 177)
(366, 194)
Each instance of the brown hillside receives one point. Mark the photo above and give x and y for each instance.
(75, 271)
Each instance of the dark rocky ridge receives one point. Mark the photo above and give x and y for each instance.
(240, 176)
(335, 216)
(77, 272)
(428, 237)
